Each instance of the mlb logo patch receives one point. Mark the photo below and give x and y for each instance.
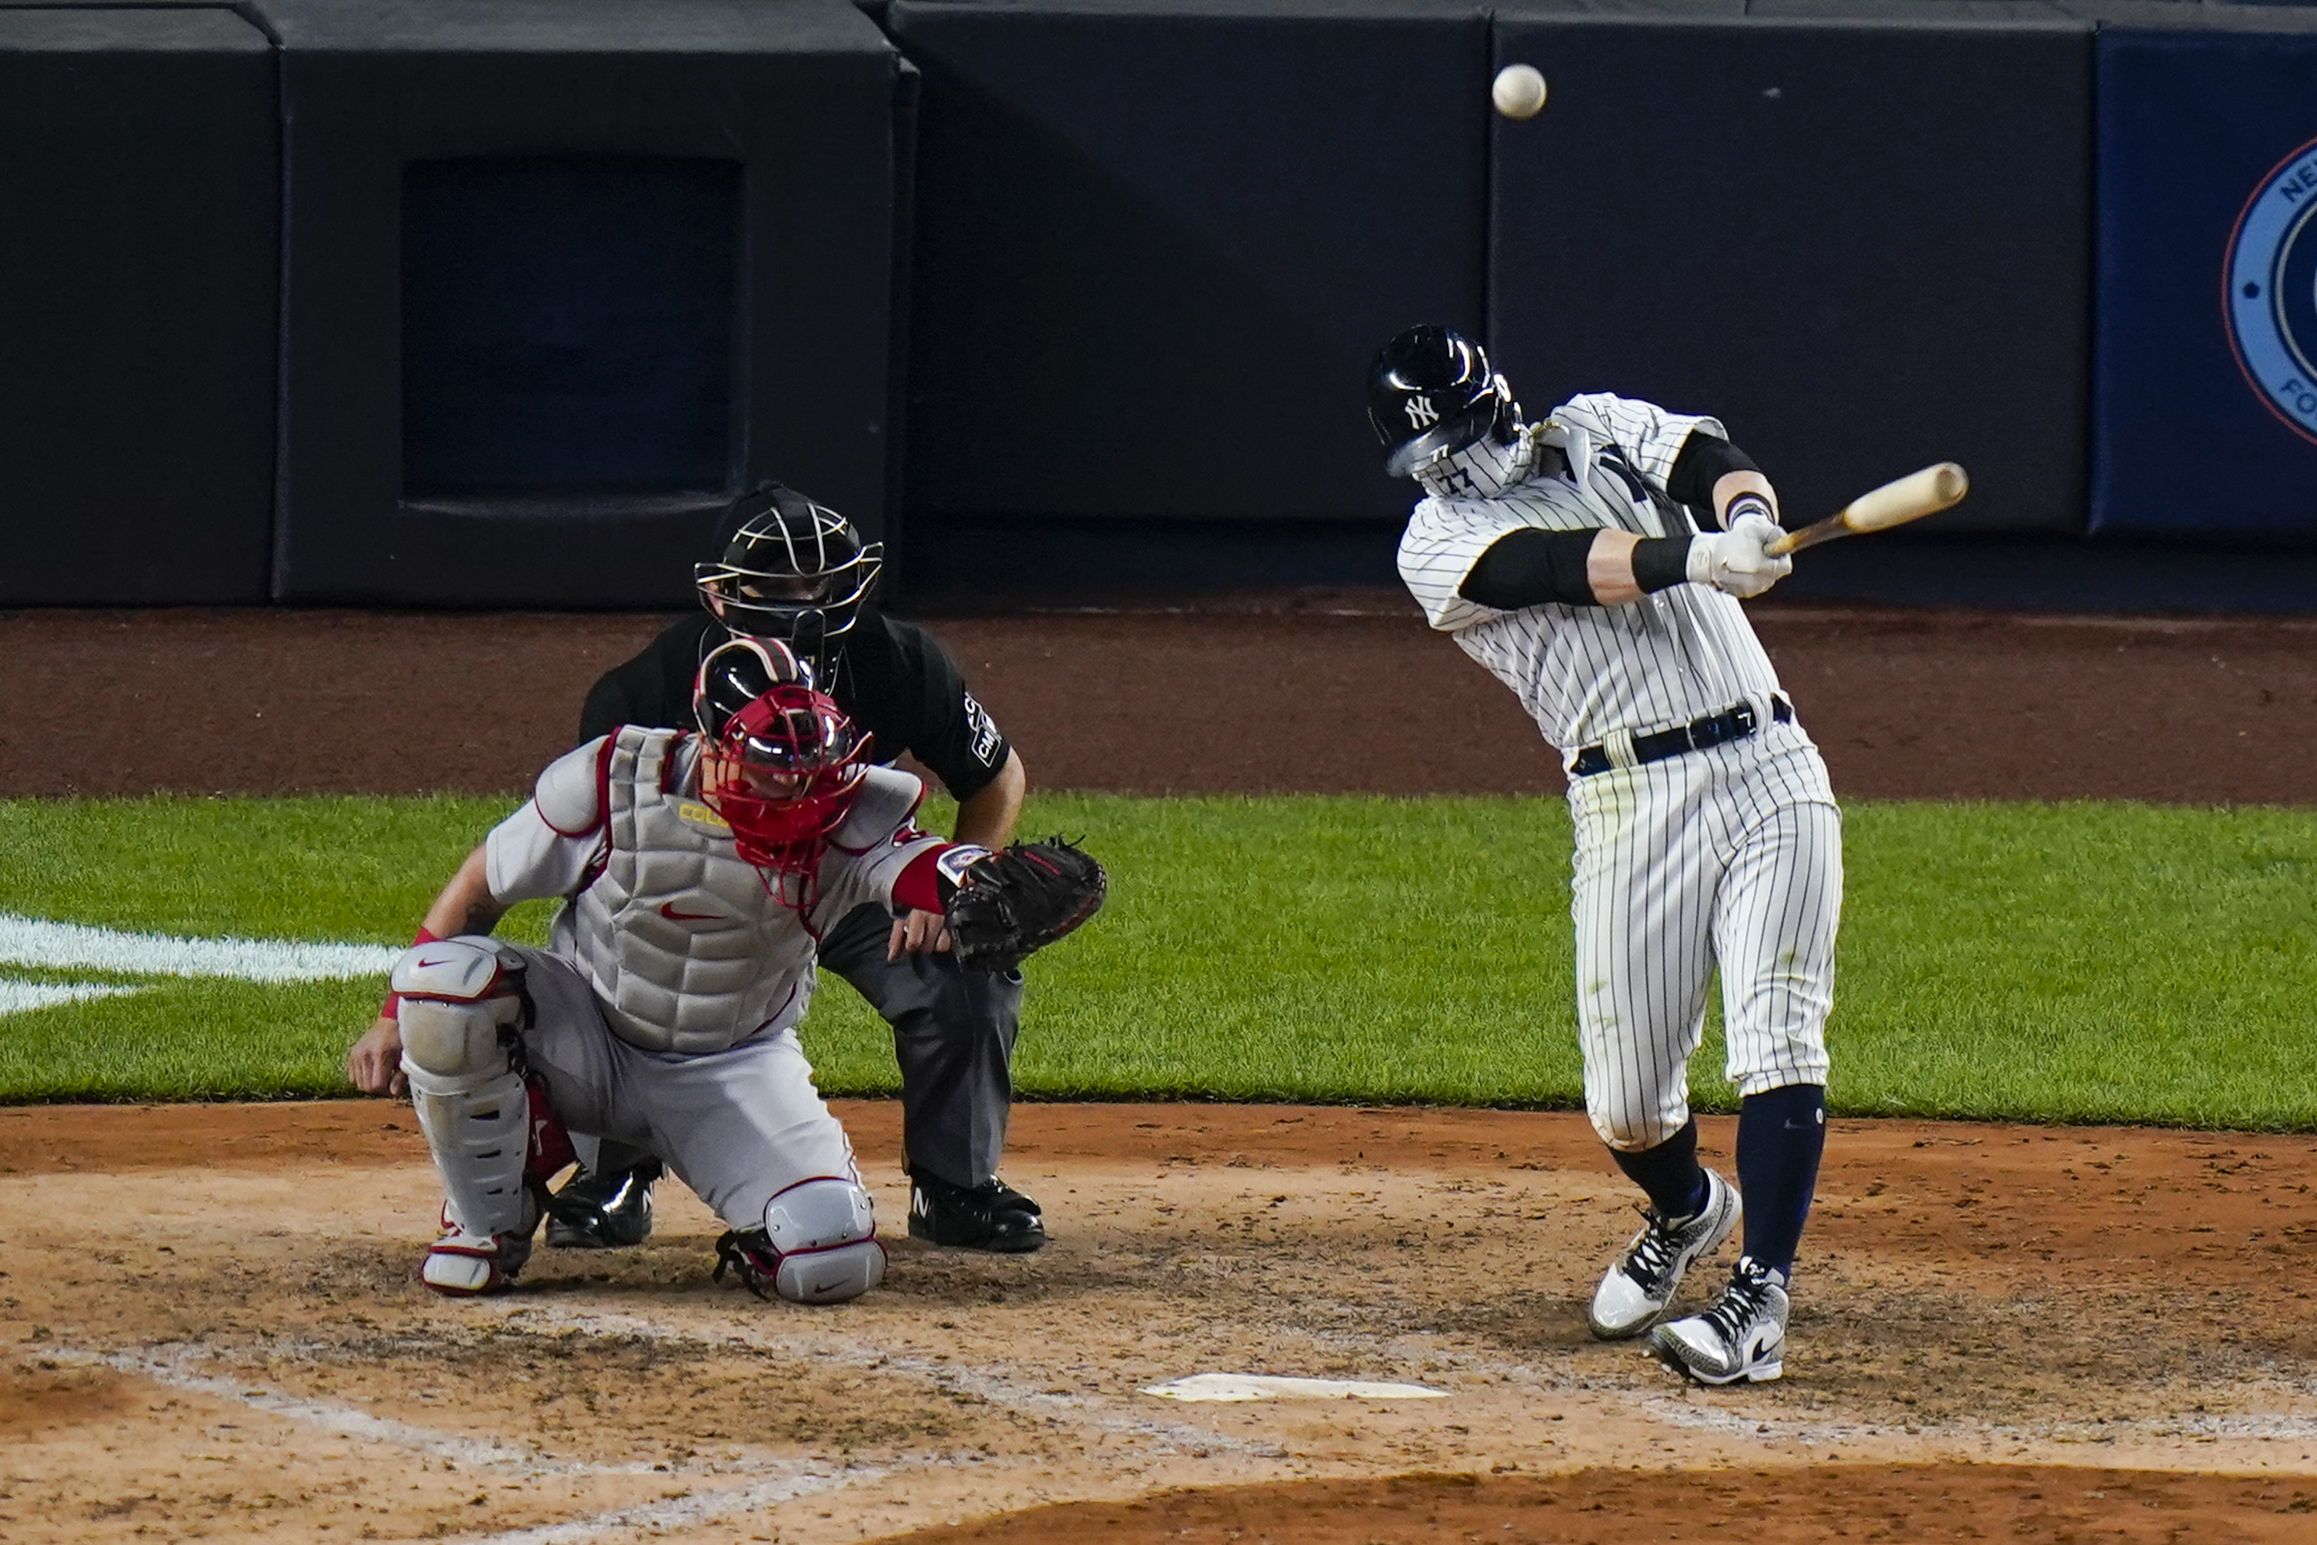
(985, 731)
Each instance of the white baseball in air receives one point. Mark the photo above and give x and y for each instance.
(1519, 91)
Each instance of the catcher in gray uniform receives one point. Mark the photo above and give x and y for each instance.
(789, 568)
(697, 870)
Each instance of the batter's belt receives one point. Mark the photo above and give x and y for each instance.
(1712, 730)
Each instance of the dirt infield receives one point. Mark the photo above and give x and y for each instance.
(212, 1327)
(1906, 705)
(2002, 1334)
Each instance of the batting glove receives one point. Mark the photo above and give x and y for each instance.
(1737, 561)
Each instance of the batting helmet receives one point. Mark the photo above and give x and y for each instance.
(791, 570)
(1430, 391)
(779, 760)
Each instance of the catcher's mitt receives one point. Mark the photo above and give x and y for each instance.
(1021, 899)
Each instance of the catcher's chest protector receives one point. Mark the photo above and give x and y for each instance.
(678, 936)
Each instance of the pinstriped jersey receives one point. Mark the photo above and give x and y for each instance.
(1587, 672)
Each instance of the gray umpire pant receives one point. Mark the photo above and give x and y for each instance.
(953, 1035)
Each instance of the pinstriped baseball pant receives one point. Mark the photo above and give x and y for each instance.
(1728, 856)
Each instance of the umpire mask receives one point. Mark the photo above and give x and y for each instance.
(792, 571)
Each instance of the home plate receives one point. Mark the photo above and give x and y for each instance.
(1257, 1386)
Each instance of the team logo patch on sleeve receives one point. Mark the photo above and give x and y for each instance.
(984, 729)
(954, 863)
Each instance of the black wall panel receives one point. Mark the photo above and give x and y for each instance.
(1157, 243)
(139, 237)
(563, 276)
(1865, 245)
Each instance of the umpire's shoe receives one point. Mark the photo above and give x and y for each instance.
(1743, 1336)
(990, 1216)
(1637, 1289)
(603, 1209)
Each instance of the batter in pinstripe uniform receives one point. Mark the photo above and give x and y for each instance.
(1594, 563)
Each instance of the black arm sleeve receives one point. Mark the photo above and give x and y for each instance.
(1660, 563)
(1704, 460)
(1530, 568)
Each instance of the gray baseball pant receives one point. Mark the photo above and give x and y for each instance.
(953, 1036)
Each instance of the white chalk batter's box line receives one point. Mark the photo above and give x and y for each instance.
(771, 1480)
(1707, 1411)
(778, 1479)
(179, 1365)
(1691, 1410)
(819, 1346)
(688, 1510)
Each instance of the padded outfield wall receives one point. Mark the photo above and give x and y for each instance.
(1870, 234)
(139, 268)
(561, 277)
(492, 302)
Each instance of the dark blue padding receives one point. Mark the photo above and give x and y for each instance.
(1156, 245)
(1864, 244)
(139, 240)
(567, 325)
(2198, 431)
(695, 219)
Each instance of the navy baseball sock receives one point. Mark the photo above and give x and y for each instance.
(1781, 1133)
(1669, 1172)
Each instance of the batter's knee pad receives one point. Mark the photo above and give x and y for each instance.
(461, 1007)
(818, 1245)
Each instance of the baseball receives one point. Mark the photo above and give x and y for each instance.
(1519, 91)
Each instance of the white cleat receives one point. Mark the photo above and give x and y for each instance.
(1742, 1337)
(1636, 1290)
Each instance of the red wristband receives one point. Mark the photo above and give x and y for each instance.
(918, 887)
(392, 1007)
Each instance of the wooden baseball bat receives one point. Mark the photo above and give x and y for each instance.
(1894, 504)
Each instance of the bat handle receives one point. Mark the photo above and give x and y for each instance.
(1808, 536)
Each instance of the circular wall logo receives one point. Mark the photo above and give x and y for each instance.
(2271, 300)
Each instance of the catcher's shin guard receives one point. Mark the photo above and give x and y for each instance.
(818, 1245)
(461, 1005)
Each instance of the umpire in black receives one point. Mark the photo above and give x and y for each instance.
(793, 570)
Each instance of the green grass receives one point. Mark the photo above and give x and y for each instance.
(2055, 962)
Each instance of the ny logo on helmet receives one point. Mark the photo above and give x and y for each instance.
(1421, 413)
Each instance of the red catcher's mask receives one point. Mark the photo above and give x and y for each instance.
(783, 773)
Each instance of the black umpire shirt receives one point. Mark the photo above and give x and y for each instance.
(891, 678)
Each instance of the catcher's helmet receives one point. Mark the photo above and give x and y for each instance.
(791, 570)
(1430, 391)
(779, 760)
